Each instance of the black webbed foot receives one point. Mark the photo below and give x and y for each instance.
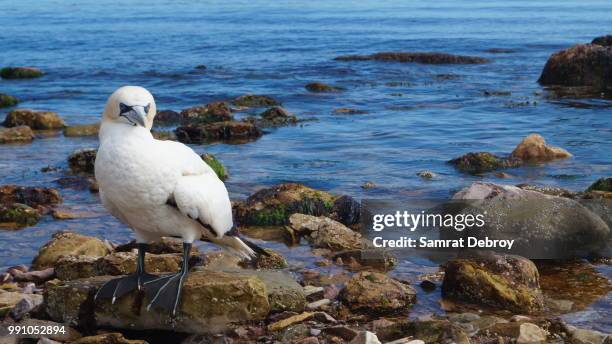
(164, 293)
(118, 287)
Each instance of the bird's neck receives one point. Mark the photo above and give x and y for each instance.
(118, 131)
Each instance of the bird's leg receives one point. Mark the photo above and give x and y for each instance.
(116, 288)
(165, 292)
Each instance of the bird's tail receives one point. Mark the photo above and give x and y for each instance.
(240, 246)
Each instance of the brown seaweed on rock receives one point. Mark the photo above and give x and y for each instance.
(416, 57)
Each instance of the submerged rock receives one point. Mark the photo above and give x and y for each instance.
(82, 130)
(20, 72)
(16, 134)
(498, 281)
(218, 131)
(373, 292)
(7, 100)
(37, 120)
(18, 215)
(605, 41)
(481, 162)
(216, 165)
(534, 148)
(276, 116)
(209, 113)
(83, 160)
(418, 57)
(68, 243)
(323, 232)
(581, 65)
(320, 87)
(255, 101)
(33, 196)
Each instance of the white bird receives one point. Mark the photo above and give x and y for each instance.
(159, 189)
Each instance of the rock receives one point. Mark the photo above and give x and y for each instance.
(541, 225)
(75, 267)
(83, 160)
(429, 331)
(273, 260)
(273, 206)
(27, 304)
(276, 116)
(209, 113)
(32, 196)
(373, 292)
(8, 300)
(167, 117)
(489, 93)
(534, 148)
(107, 338)
(216, 165)
(292, 333)
(375, 258)
(365, 337)
(426, 174)
(68, 243)
(548, 190)
(341, 331)
(20, 73)
(7, 100)
(283, 292)
(498, 281)
(82, 130)
(417, 57)
(349, 111)
(255, 101)
(481, 162)
(218, 131)
(320, 87)
(16, 215)
(605, 41)
(37, 120)
(323, 232)
(530, 333)
(37, 276)
(583, 336)
(308, 340)
(601, 184)
(318, 304)
(164, 135)
(428, 286)
(581, 65)
(284, 234)
(559, 305)
(123, 263)
(368, 185)
(281, 324)
(16, 134)
(346, 210)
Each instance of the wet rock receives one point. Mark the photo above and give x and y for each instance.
(281, 324)
(7, 100)
(82, 130)
(601, 184)
(427, 286)
(581, 65)
(284, 234)
(534, 148)
(216, 165)
(374, 292)
(349, 111)
(430, 331)
(276, 116)
(498, 281)
(209, 113)
(365, 337)
(323, 232)
(32, 196)
(16, 215)
(605, 41)
(523, 333)
(37, 120)
(341, 331)
(16, 134)
(375, 258)
(368, 185)
(346, 210)
(417, 57)
(481, 162)
(83, 160)
(320, 87)
(168, 117)
(541, 224)
(20, 73)
(583, 336)
(254, 101)
(283, 292)
(548, 190)
(273, 260)
(218, 131)
(107, 338)
(273, 206)
(559, 305)
(492, 93)
(68, 243)
(426, 174)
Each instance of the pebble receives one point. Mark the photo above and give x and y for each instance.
(318, 304)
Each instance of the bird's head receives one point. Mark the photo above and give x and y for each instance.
(130, 105)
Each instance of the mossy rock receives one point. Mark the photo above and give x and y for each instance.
(216, 165)
(37, 120)
(209, 113)
(255, 101)
(82, 130)
(277, 116)
(376, 293)
(83, 160)
(20, 73)
(227, 131)
(480, 162)
(19, 134)
(32, 196)
(319, 87)
(601, 184)
(18, 215)
(7, 100)
(65, 244)
(431, 332)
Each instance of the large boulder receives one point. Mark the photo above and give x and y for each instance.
(33, 196)
(20, 73)
(37, 120)
(82, 130)
(541, 225)
(480, 162)
(7, 100)
(374, 292)
(581, 65)
(66, 244)
(234, 131)
(534, 148)
(18, 134)
(497, 281)
(323, 232)
(273, 206)
(83, 160)
(17, 215)
(255, 101)
(417, 57)
(209, 113)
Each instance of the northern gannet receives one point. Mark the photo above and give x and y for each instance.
(159, 189)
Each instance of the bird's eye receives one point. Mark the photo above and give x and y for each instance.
(146, 108)
(124, 108)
